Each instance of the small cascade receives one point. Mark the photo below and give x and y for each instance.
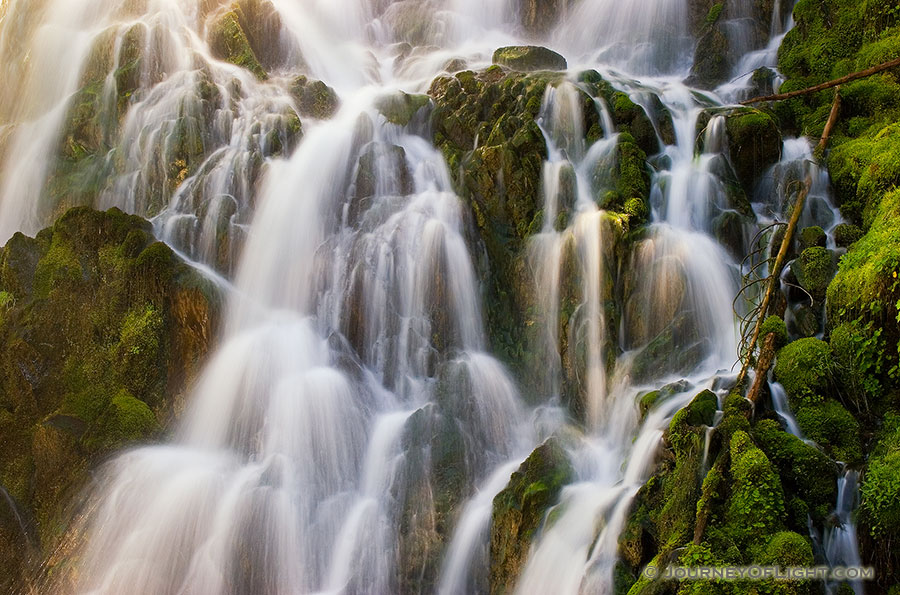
(781, 407)
(648, 38)
(840, 542)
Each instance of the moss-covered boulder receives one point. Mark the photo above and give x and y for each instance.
(814, 269)
(713, 56)
(804, 367)
(847, 234)
(756, 507)
(806, 473)
(812, 237)
(520, 508)
(229, 42)
(754, 143)
(248, 33)
(314, 99)
(833, 428)
(527, 58)
(102, 329)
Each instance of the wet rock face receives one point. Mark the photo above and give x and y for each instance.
(539, 17)
(520, 508)
(101, 330)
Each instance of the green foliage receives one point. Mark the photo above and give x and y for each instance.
(880, 495)
(804, 368)
(756, 507)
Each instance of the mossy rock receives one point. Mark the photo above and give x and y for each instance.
(528, 58)
(228, 41)
(812, 237)
(773, 324)
(804, 367)
(847, 234)
(756, 506)
(399, 108)
(814, 269)
(520, 508)
(833, 428)
(754, 144)
(805, 471)
(713, 57)
(101, 333)
(314, 99)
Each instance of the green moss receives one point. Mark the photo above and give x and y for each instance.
(124, 420)
(847, 234)
(881, 495)
(699, 412)
(754, 142)
(399, 108)
(756, 507)
(805, 472)
(714, 12)
(804, 368)
(102, 327)
(814, 269)
(863, 170)
(833, 428)
(774, 324)
(813, 236)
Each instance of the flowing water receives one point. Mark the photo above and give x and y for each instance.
(353, 381)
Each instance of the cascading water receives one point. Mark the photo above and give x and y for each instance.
(354, 374)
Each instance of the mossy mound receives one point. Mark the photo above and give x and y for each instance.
(804, 368)
(814, 269)
(528, 58)
(754, 144)
(101, 330)
(807, 474)
(773, 324)
(520, 508)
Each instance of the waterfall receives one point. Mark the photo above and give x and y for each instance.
(354, 379)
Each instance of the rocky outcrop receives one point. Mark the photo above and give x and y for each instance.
(101, 331)
(519, 511)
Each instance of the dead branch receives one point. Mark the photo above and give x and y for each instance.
(774, 277)
(827, 85)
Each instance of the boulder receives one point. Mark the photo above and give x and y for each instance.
(528, 58)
